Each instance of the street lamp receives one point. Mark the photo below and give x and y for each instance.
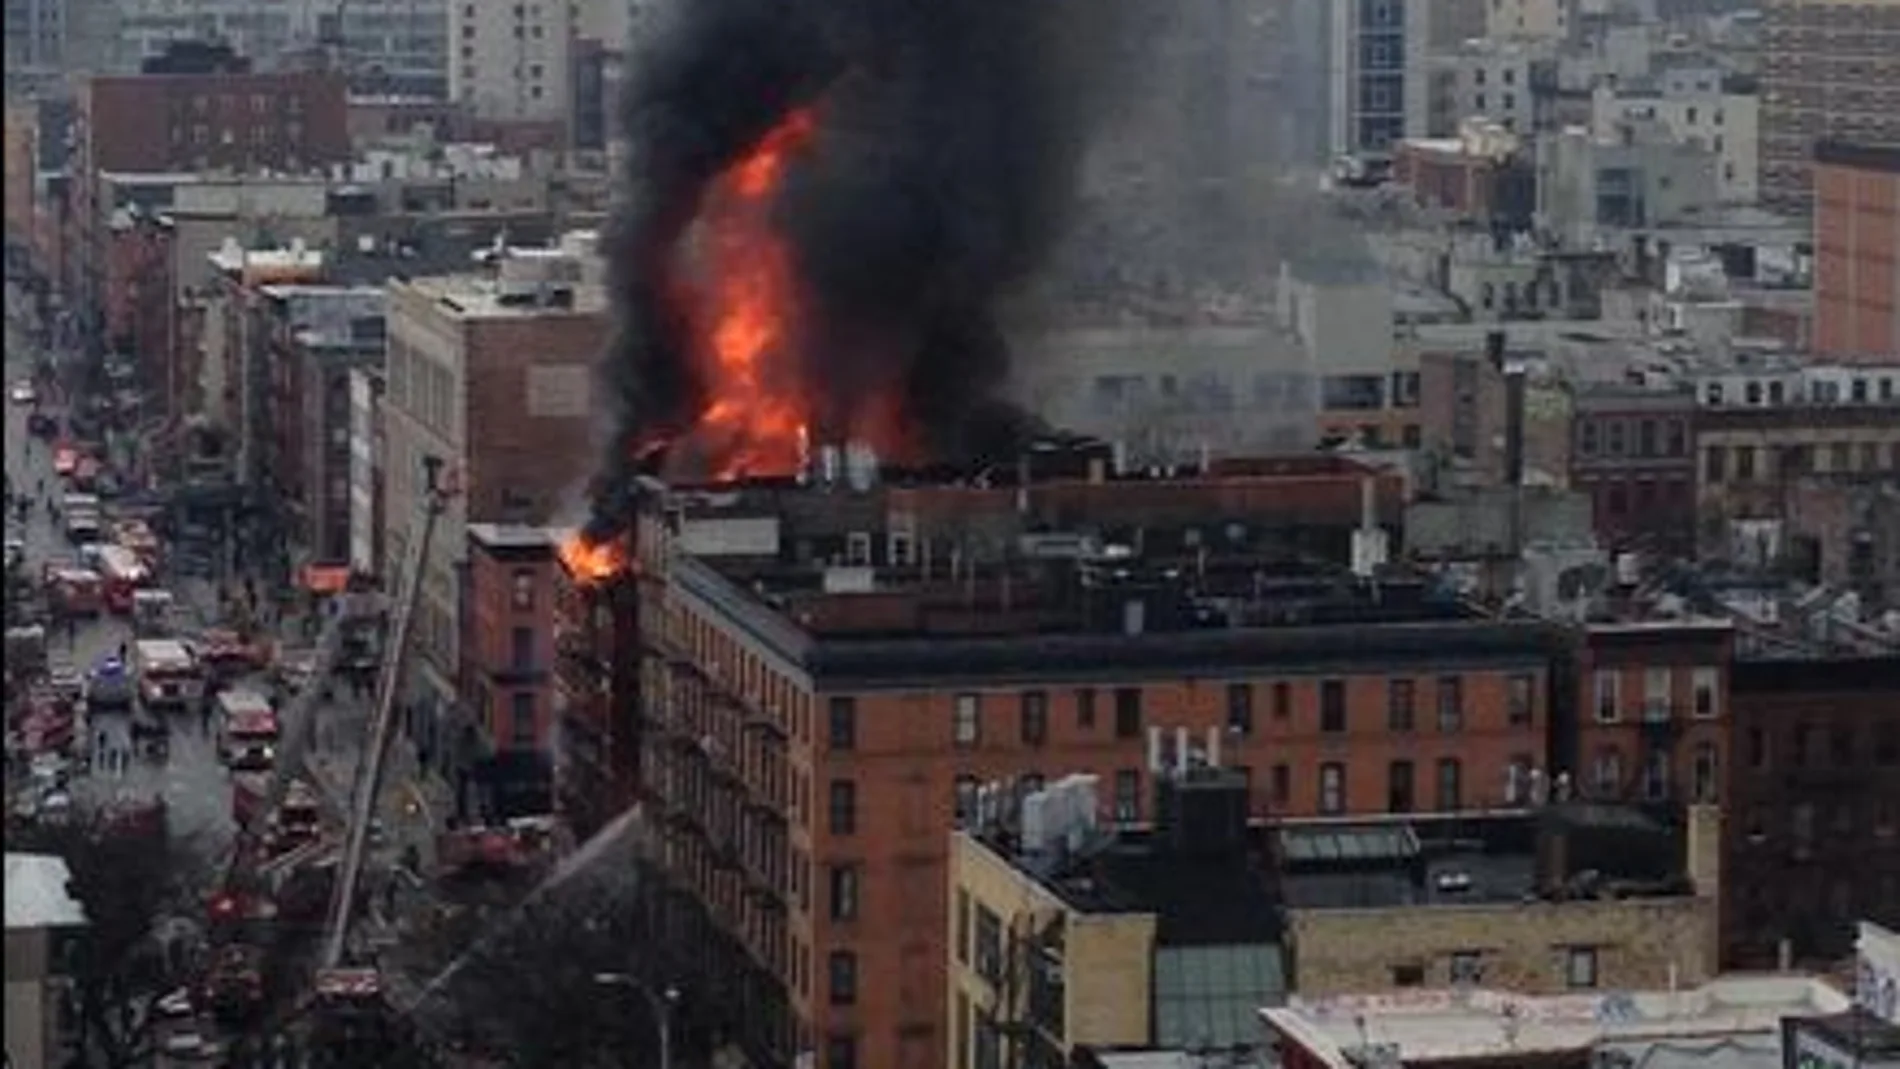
(662, 1004)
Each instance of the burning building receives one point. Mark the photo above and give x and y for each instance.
(828, 668)
(830, 203)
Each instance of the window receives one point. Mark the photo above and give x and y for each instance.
(1886, 743)
(843, 970)
(1451, 703)
(521, 595)
(1587, 437)
(521, 727)
(1608, 702)
(843, 807)
(1128, 795)
(1580, 967)
(967, 728)
(1409, 974)
(1127, 712)
(1085, 708)
(1757, 748)
(1398, 796)
(1656, 694)
(963, 926)
(1240, 708)
(843, 723)
(844, 892)
(965, 799)
(1467, 967)
(1606, 772)
(1745, 463)
(1706, 767)
(1282, 786)
(989, 944)
(841, 1051)
(1715, 463)
(1332, 788)
(1450, 785)
(1656, 775)
(1841, 744)
(1401, 699)
(521, 648)
(1282, 700)
(1706, 680)
(1332, 706)
(1035, 714)
(1521, 698)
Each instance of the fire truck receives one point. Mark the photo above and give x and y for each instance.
(283, 854)
(168, 673)
(124, 574)
(247, 730)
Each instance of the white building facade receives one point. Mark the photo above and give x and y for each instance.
(512, 61)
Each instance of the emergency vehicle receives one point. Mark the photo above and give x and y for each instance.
(168, 673)
(124, 573)
(247, 730)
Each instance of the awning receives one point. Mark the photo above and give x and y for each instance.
(326, 578)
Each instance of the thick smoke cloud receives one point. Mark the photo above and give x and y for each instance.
(949, 136)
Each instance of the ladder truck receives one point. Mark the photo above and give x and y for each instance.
(257, 860)
(351, 1024)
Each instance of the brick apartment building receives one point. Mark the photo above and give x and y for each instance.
(596, 692)
(1829, 69)
(21, 163)
(1857, 251)
(508, 659)
(1631, 452)
(1813, 837)
(1750, 457)
(494, 374)
(831, 675)
(198, 109)
(1655, 716)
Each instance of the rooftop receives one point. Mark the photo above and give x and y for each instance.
(1425, 1026)
(1482, 858)
(36, 893)
(518, 535)
(470, 296)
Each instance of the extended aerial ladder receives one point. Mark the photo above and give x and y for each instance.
(382, 728)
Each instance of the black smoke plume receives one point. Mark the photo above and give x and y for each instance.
(949, 133)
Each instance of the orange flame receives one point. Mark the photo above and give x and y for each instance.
(756, 421)
(592, 563)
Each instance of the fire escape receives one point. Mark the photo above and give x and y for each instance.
(716, 779)
(1030, 993)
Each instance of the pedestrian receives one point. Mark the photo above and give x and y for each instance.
(122, 653)
(204, 717)
(72, 631)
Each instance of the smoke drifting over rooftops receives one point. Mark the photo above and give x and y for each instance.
(828, 202)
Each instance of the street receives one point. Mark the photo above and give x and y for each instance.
(192, 781)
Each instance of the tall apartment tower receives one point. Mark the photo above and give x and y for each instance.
(511, 61)
(1830, 71)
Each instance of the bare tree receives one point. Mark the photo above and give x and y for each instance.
(131, 882)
